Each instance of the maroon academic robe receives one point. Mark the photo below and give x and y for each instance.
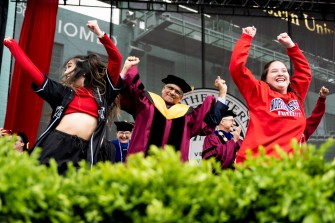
(225, 152)
(157, 125)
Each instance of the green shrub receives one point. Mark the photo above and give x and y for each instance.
(159, 188)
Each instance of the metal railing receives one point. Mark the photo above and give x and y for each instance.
(180, 26)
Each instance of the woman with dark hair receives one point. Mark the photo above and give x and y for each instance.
(80, 104)
(275, 102)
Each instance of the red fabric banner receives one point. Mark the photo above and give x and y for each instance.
(24, 107)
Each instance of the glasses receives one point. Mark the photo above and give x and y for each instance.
(124, 133)
(176, 91)
(228, 119)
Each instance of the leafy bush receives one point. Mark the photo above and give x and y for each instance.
(159, 188)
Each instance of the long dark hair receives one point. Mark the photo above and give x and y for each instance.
(265, 74)
(90, 66)
(93, 69)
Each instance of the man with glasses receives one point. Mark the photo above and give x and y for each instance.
(160, 119)
(122, 141)
(224, 142)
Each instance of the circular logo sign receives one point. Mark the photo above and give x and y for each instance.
(196, 98)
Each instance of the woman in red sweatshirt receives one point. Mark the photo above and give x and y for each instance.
(275, 102)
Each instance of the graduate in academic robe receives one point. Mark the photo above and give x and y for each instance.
(160, 119)
(122, 141)
(224, 142)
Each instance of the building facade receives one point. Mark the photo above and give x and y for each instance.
(196, 46)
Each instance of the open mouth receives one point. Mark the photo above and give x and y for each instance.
(280, 80)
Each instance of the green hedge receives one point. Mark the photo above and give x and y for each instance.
(160, 188)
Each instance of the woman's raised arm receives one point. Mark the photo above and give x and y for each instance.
(22, 59)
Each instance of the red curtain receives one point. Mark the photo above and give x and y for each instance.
(24, 107)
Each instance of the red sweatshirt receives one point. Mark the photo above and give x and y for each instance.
(275, 118)
(313, 121)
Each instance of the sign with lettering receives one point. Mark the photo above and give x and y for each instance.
(196, 98)
(309, 22)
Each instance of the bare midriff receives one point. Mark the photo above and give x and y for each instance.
(78, 124)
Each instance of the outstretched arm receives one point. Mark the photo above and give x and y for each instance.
(22, 59)
(221, 85)
(241, 75)
(286, 40)
(302, 76)
(323, 92)
(313, 121)
(114, 56)
(131, 85)
(214, 116)
(130, 62)
(250, 31)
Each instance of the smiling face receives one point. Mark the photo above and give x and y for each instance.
(123, 136)
(227, 124)
(277, 76)
(172, 94)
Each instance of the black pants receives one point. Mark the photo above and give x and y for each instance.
(63, 148)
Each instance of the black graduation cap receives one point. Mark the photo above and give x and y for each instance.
(171, 79)
(229, 113)
(124, 126)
